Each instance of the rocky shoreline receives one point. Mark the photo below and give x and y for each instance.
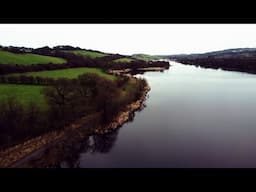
(123, 116)
(12, 156)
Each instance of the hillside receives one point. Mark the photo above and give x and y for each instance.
(89, 54)
(223, 54)
(240, 59)
(45, 89)
(7, 57)
(124, 60)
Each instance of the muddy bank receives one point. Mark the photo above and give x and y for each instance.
(130, 72)
(48, 148)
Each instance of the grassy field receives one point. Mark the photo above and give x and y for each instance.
(71, 73)
(145, 57)
(27, 59)
(27, 93)
(124, 60)
(24, 93)
(90, 54)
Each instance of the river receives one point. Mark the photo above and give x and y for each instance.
(193, 118)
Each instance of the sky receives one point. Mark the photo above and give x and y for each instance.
(154, 39)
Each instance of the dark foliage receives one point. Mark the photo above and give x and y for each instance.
(68, 100)
(18, 123)
(233, 64)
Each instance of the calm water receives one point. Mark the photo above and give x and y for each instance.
(194, 117)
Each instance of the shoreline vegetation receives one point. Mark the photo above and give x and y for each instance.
(14, 156)
(92, 93)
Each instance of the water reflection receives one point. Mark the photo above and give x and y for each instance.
(103, 143)
(93, 144)
(195, 117)
(71, 157)
(141, 72)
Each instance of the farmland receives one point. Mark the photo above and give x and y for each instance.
(90, 54)
(145, 57)
(124, 60)
(24, 93)
(27, 59)
(70, 73)
(73, 83)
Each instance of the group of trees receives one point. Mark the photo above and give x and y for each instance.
(16, 49)
(18, 122)
(7, 68)
(68, 100)
(87, 94)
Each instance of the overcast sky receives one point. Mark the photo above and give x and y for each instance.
(153, 39)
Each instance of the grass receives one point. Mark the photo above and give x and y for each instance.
(27, 93)
(24, 93)
(70, 73)
(27, 59)
(145, 57)
(90, 54)
(124, 60)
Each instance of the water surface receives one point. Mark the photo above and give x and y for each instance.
(194, 117)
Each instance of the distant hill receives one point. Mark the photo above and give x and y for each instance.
(223, 54)
(239, 59)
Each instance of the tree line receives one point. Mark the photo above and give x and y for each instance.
(234, 64)
(23, 79)
(68, 100)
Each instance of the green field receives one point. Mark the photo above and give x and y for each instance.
(24, 93)
(145, 57)
(124, 60)
(70, 73)
(27, 93)
(90, 54)
(27, 59)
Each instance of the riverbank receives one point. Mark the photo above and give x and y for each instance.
(20, 154)
(124, 115)
(11, 155)
(129, 71)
